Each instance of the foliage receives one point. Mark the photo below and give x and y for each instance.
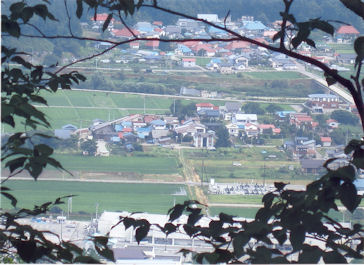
(89, 147)
(253, 107)
(182, 111)
(223, 137)
(344, 117)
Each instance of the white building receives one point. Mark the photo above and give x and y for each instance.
(209, 17)
(242, 118)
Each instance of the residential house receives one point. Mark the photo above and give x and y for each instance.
(251, 129)
(190, 127)
(300, 120)
(326, 141)
(125, 33)
(243, 118)
(233, 107)
(204, 106)
(209, 17)
(66, 131)
(268, 128)
(184, 91)
(346, 33)
(104, 131)
(158, 124)
(209, 114)
(161, 133)
(346, 58)
(305, 147)
(171, 122)
(233, 129)
(188, 62)
(319, 102)
(204, 139)
(312, 166)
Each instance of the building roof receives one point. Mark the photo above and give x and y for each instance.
(254, 25)
(311, 163)
(131, 252)
(322, 96)
(158, 123)
(232, 106)
(266, 126)
(204, 105)
(124, 32)
(347, 29)
(326, 139)
(189, 59)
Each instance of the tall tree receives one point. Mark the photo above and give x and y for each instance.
(223, 137)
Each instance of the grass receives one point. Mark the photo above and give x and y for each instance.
(142, 165)
(235, 211)
(273, 75)
(152, 198)
(231, 199)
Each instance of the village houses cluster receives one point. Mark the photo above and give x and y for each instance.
(200, 129)
(228, 57)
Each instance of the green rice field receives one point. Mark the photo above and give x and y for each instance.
(115, 163)
(152, 198)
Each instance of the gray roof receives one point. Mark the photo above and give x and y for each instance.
(312, 163)
(232, 106)
(63, 134)
(131, 252)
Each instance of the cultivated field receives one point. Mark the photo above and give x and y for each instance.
(153, 198)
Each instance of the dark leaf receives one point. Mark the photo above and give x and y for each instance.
(79, 9)
(128, 222)
(141, 233)
(101, 240)
(86, 259)
(280, 235)
(346, 173)
(15, 163)
(20, 60)
(352, 146)
(348, 196)
(176, 212)
(10, 197)
(44, 149)
(268, 199)
(279, 185)
(359, 49)
(226, 218)
(329, 79)
(310, 42)
(323, 25)
(169, 228)
(41, 10)
(297, 236)
(310, 254)
(239, 243)
(107, 22)
(27, 14)
(357, 6)
(334, 257)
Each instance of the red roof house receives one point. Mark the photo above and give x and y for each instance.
(326, 141)
(347, 29)
(101, 17)
(152, 44)
(125, 33)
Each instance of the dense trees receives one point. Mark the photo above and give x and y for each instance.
(344, 117)
(223, 137)
(286, 215)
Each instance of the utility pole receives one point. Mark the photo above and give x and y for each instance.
(144, 104)
(174, 106)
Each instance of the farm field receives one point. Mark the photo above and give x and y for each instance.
(115, 163)
(152, 198)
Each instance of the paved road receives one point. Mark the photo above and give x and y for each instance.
(334, 88)
(102, 108)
